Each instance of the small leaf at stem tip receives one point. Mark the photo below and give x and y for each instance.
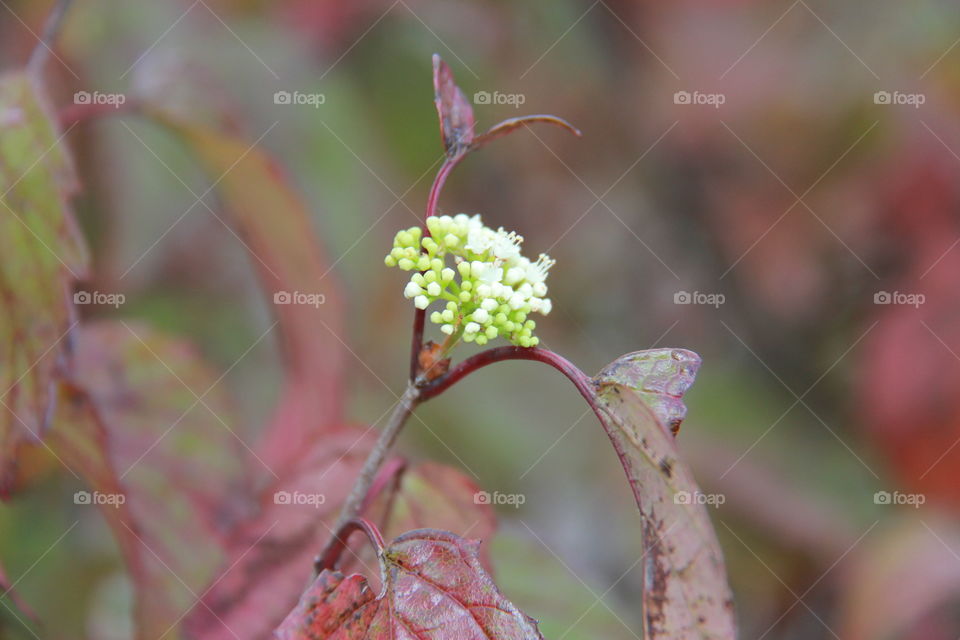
(510, 125)
(434, 585)
(453, 108)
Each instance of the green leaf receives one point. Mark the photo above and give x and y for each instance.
(43, 253)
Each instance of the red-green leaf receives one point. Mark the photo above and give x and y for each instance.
(42, 254)
(686, 595)
(130, 424)
(434, 586)
(453, 108)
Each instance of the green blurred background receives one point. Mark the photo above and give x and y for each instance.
(799, 199)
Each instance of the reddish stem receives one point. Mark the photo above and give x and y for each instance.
(331, 554)
(420, 316)
(579, 379)
(76, 113)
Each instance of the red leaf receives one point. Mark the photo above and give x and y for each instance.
(686, 595)
(454, 110)
(434, 585)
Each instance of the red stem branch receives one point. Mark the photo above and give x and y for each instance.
(579, 379)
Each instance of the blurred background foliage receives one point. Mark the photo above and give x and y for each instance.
(798, 199)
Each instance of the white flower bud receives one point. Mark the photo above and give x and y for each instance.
(421, 302)
(412, 290)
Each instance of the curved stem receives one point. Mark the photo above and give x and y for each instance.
(42, 51)
(331, 554)
(579, 379)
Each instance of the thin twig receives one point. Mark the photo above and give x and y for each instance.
(42, 51)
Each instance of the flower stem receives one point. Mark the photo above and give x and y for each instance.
(419, 316)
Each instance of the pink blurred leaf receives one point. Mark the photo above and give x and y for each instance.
(686, 595)
(43, 253)
(129, 423)
(433, 585)
(901, 575)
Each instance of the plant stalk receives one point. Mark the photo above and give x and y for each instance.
(354, 503)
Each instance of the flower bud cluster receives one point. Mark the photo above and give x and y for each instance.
(488, 288)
